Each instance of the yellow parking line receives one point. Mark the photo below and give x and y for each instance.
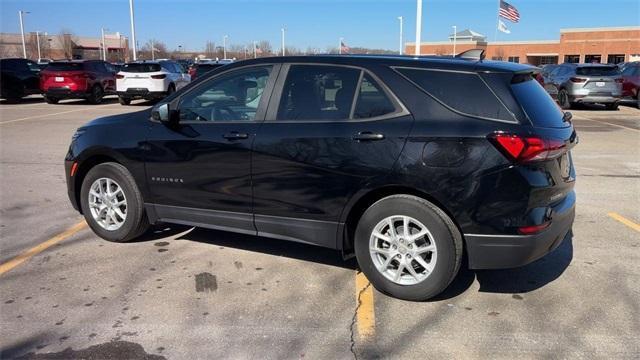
(625, 221)
(41, 247)
(365, 316)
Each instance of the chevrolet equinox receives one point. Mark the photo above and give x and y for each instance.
(406, 163)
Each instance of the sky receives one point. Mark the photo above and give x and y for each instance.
(310, 23)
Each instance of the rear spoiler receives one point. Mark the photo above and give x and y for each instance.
(473, 54)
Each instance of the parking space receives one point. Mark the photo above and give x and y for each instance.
(185, 292)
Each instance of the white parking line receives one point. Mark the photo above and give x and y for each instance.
(99, 107)
(580, 117)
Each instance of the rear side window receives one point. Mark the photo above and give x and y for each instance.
(372, 101)
(65, 66)
(141, 67)
(538, 105)
(318, 92)
(465, 93)
(597, 71)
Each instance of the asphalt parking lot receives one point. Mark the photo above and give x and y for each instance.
(192, 293)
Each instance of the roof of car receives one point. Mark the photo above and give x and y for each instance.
(434, 62)
(589, 65)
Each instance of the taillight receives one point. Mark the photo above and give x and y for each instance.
(619, 80)
(528, 148)
(529, 230)
(159, 76)
(578, 80)
(118, 76)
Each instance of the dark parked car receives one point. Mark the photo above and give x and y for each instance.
(571, 84)
(631, 82)
(405, 163)
(19, 78)
(544, 73)
(78, 79)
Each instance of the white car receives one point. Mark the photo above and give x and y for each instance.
(149, 80)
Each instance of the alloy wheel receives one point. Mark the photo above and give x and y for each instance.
(108, 204)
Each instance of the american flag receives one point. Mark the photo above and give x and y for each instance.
(509, 12)
(344, 48)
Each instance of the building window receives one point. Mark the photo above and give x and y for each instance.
(615, 58)
(592, 59)
(544, 60)
(572, 59)
(496, 58)
(514, 59)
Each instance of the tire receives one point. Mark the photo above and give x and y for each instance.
(135, 221)
(96, 95)
(442, 233)
(563, 100)
(612, 106)
(51, 100)
(124, 101)
(171, 89)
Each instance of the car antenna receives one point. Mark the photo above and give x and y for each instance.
(473, 54)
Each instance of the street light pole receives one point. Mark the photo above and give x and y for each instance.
(224, 46)
(254, 50)
(418, 26)
(455, 37)
(104, 46)
(283, 48)
(24, 46)
(133, 31)
(401, 20)
(38, 43)
(153, 50)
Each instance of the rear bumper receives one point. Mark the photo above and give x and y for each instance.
(142, 93)
(509, 251)
(63, 92)
(599, 99)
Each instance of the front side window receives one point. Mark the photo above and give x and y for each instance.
(232, 97)
(318, 92)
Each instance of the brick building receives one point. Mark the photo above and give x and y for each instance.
(603, 45)
(64, 46)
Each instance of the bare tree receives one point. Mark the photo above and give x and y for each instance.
(265, 48)
(32, 46)
(68, 42)
(159, 50)
(210, 49)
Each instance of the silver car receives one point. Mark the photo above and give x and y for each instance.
(571, 84)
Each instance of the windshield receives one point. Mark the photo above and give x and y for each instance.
(598, 71)
(65, 66)
(204, 68)
(141, 67)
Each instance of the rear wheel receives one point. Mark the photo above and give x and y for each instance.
(563, 99)
(112, 204)
(407, 247)
(171, 89)
(124, 100)
(51, 100)
(96, 95)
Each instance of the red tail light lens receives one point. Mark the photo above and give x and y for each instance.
(528, 148)
(619, 80)
(529, 230)
(159, 76)
(578, 80)
(118, 76)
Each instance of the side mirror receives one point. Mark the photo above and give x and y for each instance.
(164, 114)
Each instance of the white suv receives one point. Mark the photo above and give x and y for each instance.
(149, 80)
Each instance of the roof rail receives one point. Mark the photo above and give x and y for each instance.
(473, 54)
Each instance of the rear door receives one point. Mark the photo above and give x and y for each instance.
(330, 132)
(199, 172)
(600, 80)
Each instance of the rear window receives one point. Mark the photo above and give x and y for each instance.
(203, 69)
(464, 92)
(598, 71)
(65, 66)
(140, 68)
(538, 105)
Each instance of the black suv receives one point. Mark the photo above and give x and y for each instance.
(19, 78)
(404, 162)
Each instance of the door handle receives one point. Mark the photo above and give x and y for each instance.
(234, 135)
(367, 136)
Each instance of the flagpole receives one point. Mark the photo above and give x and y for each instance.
(495, 36)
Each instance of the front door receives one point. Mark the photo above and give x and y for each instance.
(199, 172)
(318, 147)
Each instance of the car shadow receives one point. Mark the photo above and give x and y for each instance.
(293, 250)
(23, 101)
(513, 281)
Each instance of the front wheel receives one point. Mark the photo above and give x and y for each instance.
(408, 247)
(112, 204)
(563, 99)
(96, 95)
